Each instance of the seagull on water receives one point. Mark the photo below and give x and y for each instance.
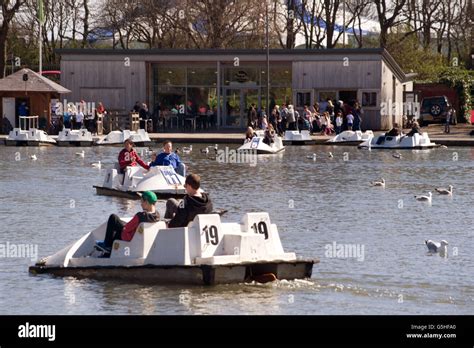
(97, 165)
(313, 157)
(187, 149)
(330, 155)
(205, 150)
(33, 157)
(443, 191)
(380, 183)
(397, 155)
(80, 154)
(437, 247)
(424, 198)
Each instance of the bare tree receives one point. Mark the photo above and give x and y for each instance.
(286, 25)
(360, 9)
(221, 23)
(8, 10)
(388, 12)
(310, 13)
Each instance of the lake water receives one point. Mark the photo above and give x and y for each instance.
(316, 205)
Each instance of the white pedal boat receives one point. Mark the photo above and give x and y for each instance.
(163, 180)
(295, 137)
(351, 137)
(29, 134)
(417, 141)
(256, 145)
(208, 252)
(140, 138)
(76, 137)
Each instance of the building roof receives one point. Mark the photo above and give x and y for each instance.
(35, 83)
(291, 53)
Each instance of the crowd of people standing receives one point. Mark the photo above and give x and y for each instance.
(327, 117)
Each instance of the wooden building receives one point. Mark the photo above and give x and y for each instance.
(225, 83)
(32, 89)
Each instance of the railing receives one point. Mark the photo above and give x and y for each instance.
(116, 120)
(29, 122)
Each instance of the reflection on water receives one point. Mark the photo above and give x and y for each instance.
(50, 203)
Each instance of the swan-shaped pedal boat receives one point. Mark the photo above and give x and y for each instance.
(28, 134)
(164, 181)
(294, 137)
(75, 137)
(208, 252)
(140, 138)
(403, 141)
(256, 145)
(351, 137)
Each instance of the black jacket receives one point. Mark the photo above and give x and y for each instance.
(189, 208)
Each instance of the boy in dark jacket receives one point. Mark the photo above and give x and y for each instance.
(194, 203)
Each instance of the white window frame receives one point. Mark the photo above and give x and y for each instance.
(303, 90)
(377, 98)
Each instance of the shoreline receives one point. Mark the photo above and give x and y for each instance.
(459, 136)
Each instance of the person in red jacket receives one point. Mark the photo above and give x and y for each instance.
(129, 158)
(117, 229)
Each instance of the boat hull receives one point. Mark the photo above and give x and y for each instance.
(401, 148)
(299, 142)
(27, 143)
(73, 143)
(194, 274)
(345, 143)
(105, 191)
(265, 152)
(137, 144)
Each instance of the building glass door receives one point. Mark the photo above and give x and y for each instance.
(236, 105)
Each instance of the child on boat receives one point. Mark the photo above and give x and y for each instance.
(129, 158)
(117, 229)
(194, 203)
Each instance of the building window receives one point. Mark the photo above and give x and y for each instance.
(198, 76)
(325, 95)
(170, 76)
(369, 99)
(201, 100)
(302, 99)
(241, 76)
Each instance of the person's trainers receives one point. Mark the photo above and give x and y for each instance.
(100, 245)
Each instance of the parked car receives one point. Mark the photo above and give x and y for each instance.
(435, 109)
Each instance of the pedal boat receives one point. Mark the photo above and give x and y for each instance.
(207, 252)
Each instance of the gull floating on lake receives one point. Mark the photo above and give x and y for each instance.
(443, 191)
(330, 155)
(313, 157)
(397, 155)
(81, 154)
(33, 157)
(380, 183)
(437, 247)
(97, 165)
(424, 198)
(205, 150)
(187, 149)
